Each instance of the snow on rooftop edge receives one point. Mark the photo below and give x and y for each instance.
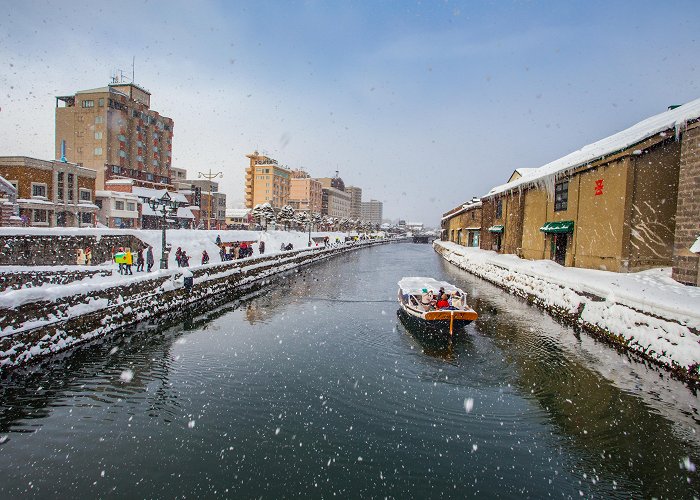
(674, 118)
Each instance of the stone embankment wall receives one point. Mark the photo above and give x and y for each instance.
(37, 329)
(51, 250)
(593, 314)
(30, 278)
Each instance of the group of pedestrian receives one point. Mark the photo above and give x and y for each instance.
(239, 250)
(287, 246)
(125, 259)
(84, 257)
(181, 257)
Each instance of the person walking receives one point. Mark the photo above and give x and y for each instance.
(139, 260)
(149, 258)
(261, 247)
(178, 256)
(184, 259)
(128, 261)
(88, 256)
(205, 257)
(80, 260)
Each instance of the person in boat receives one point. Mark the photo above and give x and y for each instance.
(442, 302)
(427, 299)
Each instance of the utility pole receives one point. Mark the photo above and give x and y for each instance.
(209, 176)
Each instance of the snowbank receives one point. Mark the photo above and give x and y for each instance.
(648, 311)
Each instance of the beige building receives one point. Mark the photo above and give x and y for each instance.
(305, 193)
(334, 202)
(113, 131)
(372, 211)
(266, 182)
(355, 202)
(51, 193)
(462, 224)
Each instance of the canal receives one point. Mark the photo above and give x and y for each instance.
(313, 387)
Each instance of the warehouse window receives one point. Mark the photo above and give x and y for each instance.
(561, 196)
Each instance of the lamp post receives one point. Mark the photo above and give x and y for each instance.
(310, 219)
(167, 206)
(209, 176)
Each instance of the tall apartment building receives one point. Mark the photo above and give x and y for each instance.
(372, 211)
(113, 131)
(266, 182)
(355, 201)
(305, 193)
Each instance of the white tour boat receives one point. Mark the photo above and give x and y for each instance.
(414, 293)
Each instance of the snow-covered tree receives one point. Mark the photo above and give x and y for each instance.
(286, 215)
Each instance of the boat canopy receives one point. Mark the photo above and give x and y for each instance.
(414, 285)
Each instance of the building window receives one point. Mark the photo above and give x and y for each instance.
(116, 169)
(85, 195)
(98, 151)
(99, 204)
(40, 216)
(122, 153)
(99, 119)
(101, 102)
(131, 206)
(38, 190)
(119, 205)
(561, 196)
(499, 209)
(88, 103)
(86, 218)
(98, 136)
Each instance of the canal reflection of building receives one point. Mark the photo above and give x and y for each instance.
(111, 369)
(616, 430)
(435, 342)
(271, 300)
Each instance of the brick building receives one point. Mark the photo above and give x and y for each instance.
(51, 193)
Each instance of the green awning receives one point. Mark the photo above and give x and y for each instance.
(558, 227)
(496, 229)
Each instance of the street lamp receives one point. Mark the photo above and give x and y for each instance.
(309, 216)
(209, 177)
(167, 206)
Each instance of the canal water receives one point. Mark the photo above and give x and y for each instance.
(313, 387)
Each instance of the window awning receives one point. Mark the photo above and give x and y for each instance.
(558, 227)
(496, 229)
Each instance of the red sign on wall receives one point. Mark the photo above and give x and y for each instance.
(599, 187)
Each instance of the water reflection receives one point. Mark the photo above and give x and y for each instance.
(435, 343)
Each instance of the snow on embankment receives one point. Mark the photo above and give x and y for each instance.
(37, 322)
(647, 312)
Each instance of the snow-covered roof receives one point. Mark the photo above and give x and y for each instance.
(184, 213)
(473, 203)
(416, 284)
(695, 248)
(237, 212)
(113, 182)
(34, 200)
(676, 118)
(115, 194)
(8, 187)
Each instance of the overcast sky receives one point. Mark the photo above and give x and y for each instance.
(422, 104)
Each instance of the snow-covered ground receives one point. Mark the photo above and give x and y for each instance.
(655, 315)
(192, 241)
